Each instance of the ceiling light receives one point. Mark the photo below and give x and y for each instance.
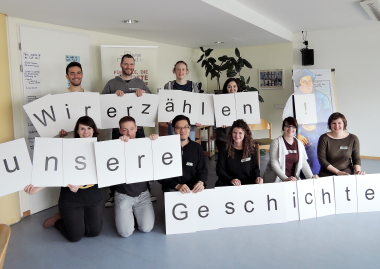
(130, 21)
(219, 42)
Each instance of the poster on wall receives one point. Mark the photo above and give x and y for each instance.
(317, 82)
(145, 63)
(31, 72)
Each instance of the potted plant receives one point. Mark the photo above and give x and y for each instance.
(231, 65)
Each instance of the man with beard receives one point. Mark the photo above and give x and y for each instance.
(125, 83)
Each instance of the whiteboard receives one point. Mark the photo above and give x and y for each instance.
(52, 46)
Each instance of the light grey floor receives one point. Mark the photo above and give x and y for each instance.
(339, 241)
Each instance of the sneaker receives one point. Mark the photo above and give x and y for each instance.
(110, 202)
(153, 198)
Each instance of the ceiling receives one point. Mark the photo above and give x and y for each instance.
(195, 23)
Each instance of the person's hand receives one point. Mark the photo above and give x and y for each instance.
(224, 126)
(259, 180)
(119, 93)
(359, 173)
(304, 140)
(342, 173)
(74, 188)
(236, 182)
(198, 187)
(62, 133)
(315, 176)
(170, 122)
(198, 124)
(153, 136)
(140, 92)
(30, 189)
(291, 179)
(183, 188)
(124, 138)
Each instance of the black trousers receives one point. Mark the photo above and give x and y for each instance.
(80, 221)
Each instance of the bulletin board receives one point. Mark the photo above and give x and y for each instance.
(43, 57)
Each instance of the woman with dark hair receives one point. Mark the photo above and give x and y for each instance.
(287, 156)
(338, 150)
(237, 162)
(181, 83)
(232, 85)
(80, 207)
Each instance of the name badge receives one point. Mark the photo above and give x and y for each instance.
(189, 164)
(343, 147)
(292, 151)
(246, 159)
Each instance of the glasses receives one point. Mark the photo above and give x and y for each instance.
(182, 128)
(290, 126)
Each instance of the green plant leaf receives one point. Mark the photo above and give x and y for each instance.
(242, 80)
(208, 52)
(223, 58)
(200, 85)
(231, 73)
(237, 52)
(212, 60)
(202, 49)
(207, 72)
(247, 64)
(200, 59)
(204, 63)
(261, 99)
(248, 79)
(232, 60)
(225, 66)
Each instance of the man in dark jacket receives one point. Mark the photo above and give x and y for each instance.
(194, 167)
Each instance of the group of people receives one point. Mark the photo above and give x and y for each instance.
(80, 207)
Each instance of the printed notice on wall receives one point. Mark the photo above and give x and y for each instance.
(31, 66)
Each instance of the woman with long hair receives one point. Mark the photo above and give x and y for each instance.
(287, 156)
(237, 162)
(232, 85)
(80, 206)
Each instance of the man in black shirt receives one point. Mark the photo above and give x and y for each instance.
(194, 167)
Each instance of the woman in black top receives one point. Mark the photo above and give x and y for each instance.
(237, 162)
(80, 207)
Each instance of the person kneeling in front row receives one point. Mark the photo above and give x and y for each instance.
(132, 200)
(237, 162)
(194, 167)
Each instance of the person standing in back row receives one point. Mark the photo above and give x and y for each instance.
(181, 83)
(125, 83)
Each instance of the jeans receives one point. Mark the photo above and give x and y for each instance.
(80, 221)
(140, 207)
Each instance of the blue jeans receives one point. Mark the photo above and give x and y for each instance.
(126, 207)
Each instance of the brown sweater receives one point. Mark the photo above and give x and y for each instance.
(343, 154)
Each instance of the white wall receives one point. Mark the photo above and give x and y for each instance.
(167, 56)
(278, 56)
(354, 53)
